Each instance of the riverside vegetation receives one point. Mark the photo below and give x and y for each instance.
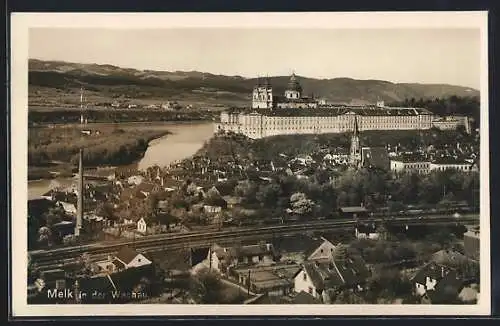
(104, 146)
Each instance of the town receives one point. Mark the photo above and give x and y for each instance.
(360, 215)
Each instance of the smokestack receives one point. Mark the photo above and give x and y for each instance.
(79, 214)
(81, 106)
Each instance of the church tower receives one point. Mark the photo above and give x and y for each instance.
(293, 90)
(262, 95)
(355, 154)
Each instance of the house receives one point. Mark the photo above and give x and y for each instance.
(446, 291)
(272, 280)
(233, 201)
(129, 258)
(367, 231)
(214, 204)
(69, 208)
(253, 254)
(300, 248)
(428, 277)
(142, 226)
(353, 212)
(220, 258)
(339, 272)
(209, 209)
(315, 277)
(324, 250)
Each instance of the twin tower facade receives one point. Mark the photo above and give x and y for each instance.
(263, 97)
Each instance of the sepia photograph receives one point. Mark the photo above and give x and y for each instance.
(293, 163)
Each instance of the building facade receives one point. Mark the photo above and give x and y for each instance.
(452, 122)
(294, 113)
(424, 167)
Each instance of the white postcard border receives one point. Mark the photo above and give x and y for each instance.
(22, 22)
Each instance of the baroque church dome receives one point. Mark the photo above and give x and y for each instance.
(293, 84)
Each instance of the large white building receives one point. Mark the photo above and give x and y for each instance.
(424, 166)
(295, 114)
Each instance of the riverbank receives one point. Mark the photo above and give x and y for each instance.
(169, 142)
(104, 146)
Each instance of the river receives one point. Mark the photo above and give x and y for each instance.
(185, 140)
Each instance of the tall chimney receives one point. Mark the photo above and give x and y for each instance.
(81, 106)
(79, 214)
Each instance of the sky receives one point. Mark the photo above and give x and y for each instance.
(443, 56)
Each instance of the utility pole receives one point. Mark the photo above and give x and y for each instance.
(79, 215)
(249, 282)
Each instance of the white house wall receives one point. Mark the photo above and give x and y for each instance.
(301, 284)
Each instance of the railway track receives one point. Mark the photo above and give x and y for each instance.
(61, 256)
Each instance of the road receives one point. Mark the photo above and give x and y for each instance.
(162, 242)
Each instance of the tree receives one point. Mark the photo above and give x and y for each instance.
(206, 288)
(106, 210)
(268, 195)
(45, 235)
(191, 189)
(246, 189)
(300, 204)
(342, 199)
(151, 206)
(166, 219)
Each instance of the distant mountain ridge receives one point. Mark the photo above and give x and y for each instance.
(114, 81)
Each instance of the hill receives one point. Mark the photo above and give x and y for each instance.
(57, 83)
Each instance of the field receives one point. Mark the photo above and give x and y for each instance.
(46, 97)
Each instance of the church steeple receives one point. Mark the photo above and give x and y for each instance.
(356, 128)
(355, 154)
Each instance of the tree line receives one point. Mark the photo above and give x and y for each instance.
(452, 105)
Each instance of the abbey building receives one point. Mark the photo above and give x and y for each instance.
(263, 97)
(294, 113)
